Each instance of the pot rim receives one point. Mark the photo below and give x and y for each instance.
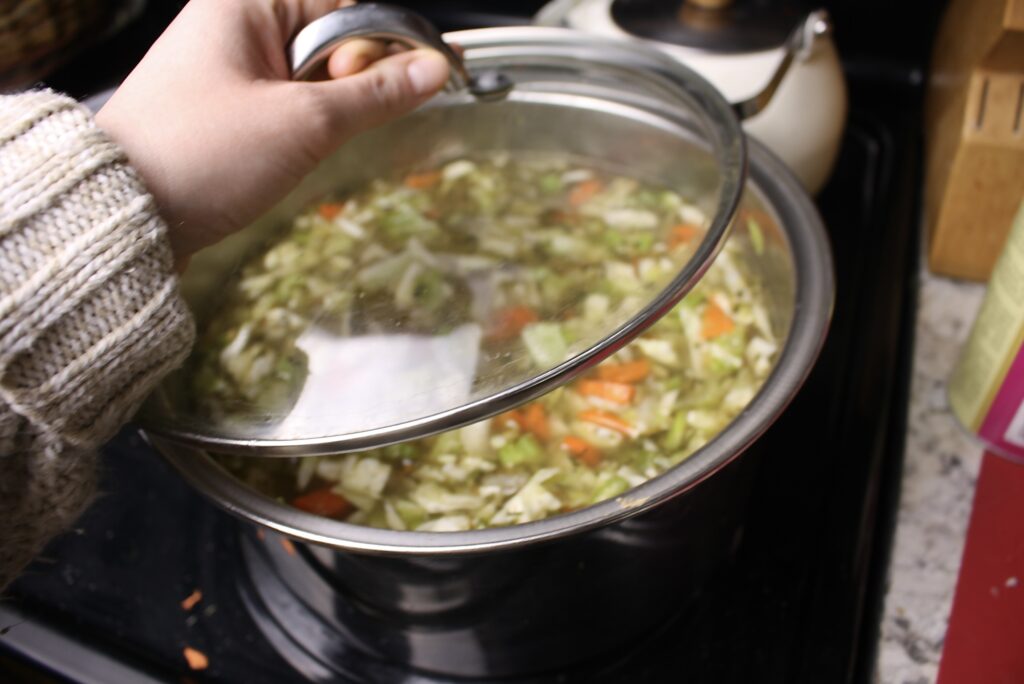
(814, 294)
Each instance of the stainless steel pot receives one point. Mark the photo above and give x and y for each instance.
(621, 105)
(442, 602)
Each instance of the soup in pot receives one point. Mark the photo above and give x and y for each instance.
(538, 253)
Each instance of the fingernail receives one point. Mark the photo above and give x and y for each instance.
(428, 73)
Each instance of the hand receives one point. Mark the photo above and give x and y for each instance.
(217, 130)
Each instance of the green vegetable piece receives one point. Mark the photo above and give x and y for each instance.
(676, 432)
(530, 447)
(640, 242)
(411, 514)
(447, 443)
(720, 367)
(526, 449)
(613, 487)
(404, 221)
(288, 285)
(613, 239)
(756, 236)
(400, 452)
(647, 199)
(680, 456)
(734, 342)
(545, 343)
(550, 183)
(641, 460)
(429, 291)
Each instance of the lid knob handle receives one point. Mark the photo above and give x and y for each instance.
(314, 44)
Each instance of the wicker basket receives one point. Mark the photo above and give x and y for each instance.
(37, 35)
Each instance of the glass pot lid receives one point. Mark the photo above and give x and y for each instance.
(465, 259)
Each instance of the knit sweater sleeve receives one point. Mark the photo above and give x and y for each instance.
(90, 315)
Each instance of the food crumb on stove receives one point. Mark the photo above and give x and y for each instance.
(197, 660)
(260, 535)
(288, 546)
(192, 599)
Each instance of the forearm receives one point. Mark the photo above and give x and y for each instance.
(90, 316)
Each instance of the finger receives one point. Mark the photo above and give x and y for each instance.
(354, 56)
(385, 90)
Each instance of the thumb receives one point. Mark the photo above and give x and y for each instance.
(383, 91)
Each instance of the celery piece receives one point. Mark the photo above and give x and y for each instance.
(509, 454)
(719, 367)
(530, 447)
(403, 221)
(550, 183)
(756, 236)
(646, 199)
(526, 449)
(382, 273)
(613, 487)
(399, 452)
(287, 285)
(430, 292)
(545, 343)
(447, 443)
(377, 518)
(639, 243)
(411, 514)
(641, 460)
(614, 239)
(674, 438)
(704, 395)
(735, 342)
(672, 383)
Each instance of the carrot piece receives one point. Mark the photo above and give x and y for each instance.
(631, 371)
(615, 392)
(191, 600)
(682, 233)
(608, 420)
(509, 322)
(422, 181)
(535, 420)
(287, 545)
(532, 419)
(329, 210)
(511, 416)
(323, 502)
(715, 322)
(584, 451)
(583, 191)
(195, 658)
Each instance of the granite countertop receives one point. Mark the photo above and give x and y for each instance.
(940, 470)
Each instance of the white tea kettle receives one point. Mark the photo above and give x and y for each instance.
(738, 46)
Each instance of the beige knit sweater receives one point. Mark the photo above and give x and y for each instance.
(90, 317)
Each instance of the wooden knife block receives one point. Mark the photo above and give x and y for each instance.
(974, 135)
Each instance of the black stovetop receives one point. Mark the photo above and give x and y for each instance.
(802, 604)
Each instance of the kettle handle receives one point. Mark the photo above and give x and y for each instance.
(314, 44)
(815, 25)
